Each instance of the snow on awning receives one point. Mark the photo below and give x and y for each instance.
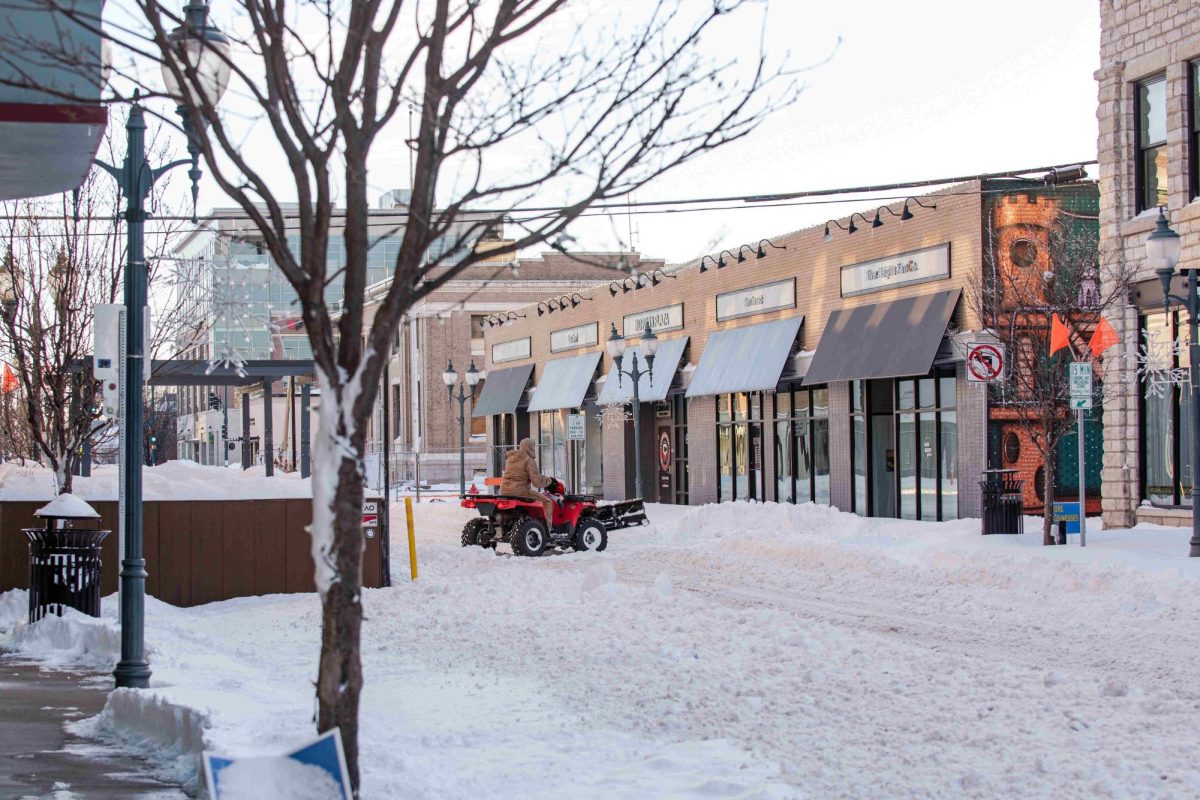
(747, 359)
(565, 382)
(619, 389)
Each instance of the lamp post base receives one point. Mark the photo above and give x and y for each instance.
(132, 675)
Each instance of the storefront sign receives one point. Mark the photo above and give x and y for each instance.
(667, 318)
(576, 427)
(756, 300)
(510, 351)
(570, 338)
(918, 266)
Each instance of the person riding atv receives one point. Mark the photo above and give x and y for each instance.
(521, 478)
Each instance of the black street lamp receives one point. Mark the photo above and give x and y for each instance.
(206, 51)
(1163, 249)
(449, 377)
(648, 347)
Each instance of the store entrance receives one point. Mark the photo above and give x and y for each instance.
(883, 448)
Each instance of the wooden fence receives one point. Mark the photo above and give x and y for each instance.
(198, 551)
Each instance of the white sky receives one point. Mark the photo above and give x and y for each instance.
(917, 89)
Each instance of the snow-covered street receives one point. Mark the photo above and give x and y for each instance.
(723, 651)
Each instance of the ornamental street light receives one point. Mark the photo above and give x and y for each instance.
(1163, 248)
(616, 349)
(206, 52)
(471, 379)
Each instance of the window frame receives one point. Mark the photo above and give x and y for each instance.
(1139, 146)
(1193, 77)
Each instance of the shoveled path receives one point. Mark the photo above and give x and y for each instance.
(39, 760)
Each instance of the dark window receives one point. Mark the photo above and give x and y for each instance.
(1152, 143)
(679, 405)
(858, 451)
(1023, 253)
(1194, 127)
(1012, 448)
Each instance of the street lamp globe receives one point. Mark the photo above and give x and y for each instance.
(649, 343)
(199, 46)
(449, 376)
(615, 344)
(1163, 246)
(472, 375)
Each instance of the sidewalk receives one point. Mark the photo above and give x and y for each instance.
(40, 761)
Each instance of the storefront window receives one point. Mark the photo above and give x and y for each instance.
(1166, 415)
(858, 453)
(739, 447)
(802, 446)
(910, 445)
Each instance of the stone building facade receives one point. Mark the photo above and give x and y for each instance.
(1149, 155)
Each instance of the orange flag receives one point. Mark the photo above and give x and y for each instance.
(1059, 336)
(9, 384)
(1103, 337)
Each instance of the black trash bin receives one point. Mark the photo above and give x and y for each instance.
(64, 559)
(1002, 501)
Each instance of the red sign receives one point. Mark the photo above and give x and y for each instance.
(664, 451)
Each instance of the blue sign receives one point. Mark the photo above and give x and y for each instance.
(1068, 513)
(324, 752)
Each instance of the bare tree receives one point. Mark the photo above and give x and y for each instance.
(62, 256)
(1053, 267)
(513, 101)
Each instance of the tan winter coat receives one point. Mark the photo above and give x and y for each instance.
(521, 472)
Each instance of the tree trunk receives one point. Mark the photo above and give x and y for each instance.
(1048, 495)
(338, 550)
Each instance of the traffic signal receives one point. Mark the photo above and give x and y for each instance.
(152, 455)
(214, 402)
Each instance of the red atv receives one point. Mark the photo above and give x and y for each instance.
(522, 523)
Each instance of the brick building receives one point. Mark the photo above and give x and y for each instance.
(241, 308)
(1149, 152)
(826, 365)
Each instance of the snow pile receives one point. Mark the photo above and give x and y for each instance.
(145, 723)
(73, 640)
(14, 609)
(276, 776)
(67, 506)
(174, 480)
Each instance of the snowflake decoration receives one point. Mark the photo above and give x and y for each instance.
(615, 413)
(1155, 366)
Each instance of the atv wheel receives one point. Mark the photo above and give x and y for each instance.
(474, 532)
(590, 535)
(528, 537)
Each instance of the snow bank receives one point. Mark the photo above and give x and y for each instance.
(14, 609)
(143, 722)
(276, 776)
(73, 640)
(67, 506)
(174, 480)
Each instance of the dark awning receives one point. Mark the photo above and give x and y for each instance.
(666, 362)
(747, 359)
(565, 382)
(883, 340)
(502, 391)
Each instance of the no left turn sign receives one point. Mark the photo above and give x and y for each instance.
(985, 362)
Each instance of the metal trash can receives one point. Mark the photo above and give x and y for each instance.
(1002, 501)
(64, 561)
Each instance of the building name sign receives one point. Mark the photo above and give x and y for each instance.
(667, 318)
(756, 300)
(510, 351)
(571, 338)
(918, 266)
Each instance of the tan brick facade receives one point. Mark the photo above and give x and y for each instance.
(1139, 39)
(816, 265)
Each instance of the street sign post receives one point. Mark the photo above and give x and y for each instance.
(1081, 399)
(985, 362)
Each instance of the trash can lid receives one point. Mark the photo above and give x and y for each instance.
(67, 506)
